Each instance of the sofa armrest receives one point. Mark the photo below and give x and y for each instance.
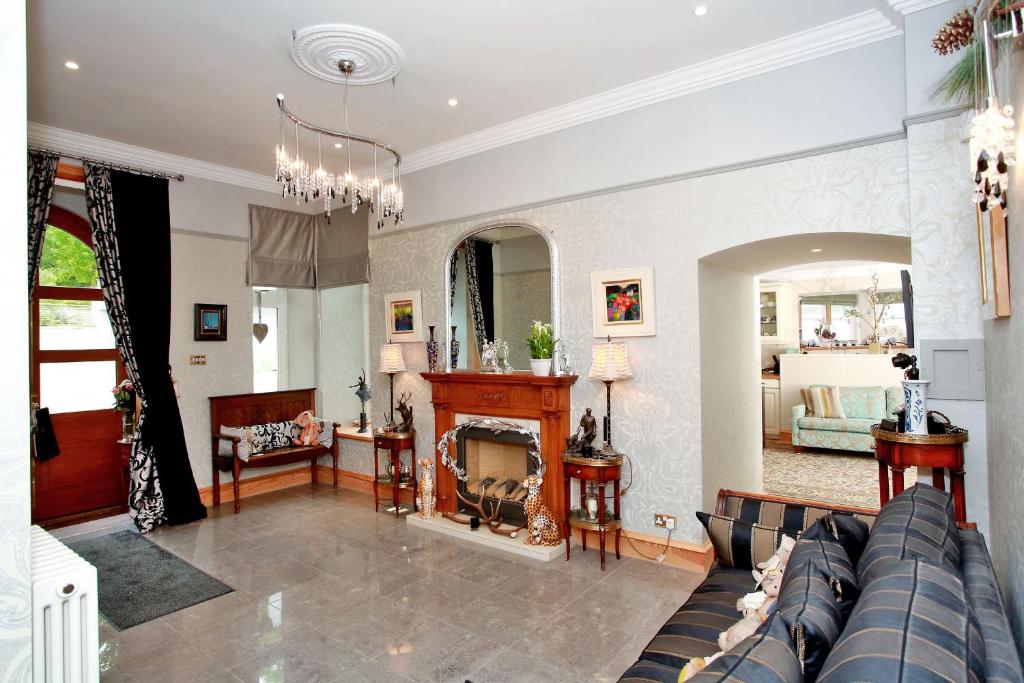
(798, 412)
(227, 437)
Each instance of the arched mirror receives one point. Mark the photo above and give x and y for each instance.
(500, 279)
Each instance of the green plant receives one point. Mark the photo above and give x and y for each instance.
(964, 80)
(541, 340)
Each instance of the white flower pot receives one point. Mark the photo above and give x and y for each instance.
(541, 366)
(915, 401)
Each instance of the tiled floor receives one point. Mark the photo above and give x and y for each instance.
(327, 590)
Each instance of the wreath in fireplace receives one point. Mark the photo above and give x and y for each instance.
(495, 426)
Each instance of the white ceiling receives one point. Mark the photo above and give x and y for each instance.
(198, 79)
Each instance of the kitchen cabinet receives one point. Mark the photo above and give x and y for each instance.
(771, 394)
(779, 318)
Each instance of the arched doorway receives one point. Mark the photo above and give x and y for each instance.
(730, 336)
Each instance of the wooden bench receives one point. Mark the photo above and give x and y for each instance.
(243, 410)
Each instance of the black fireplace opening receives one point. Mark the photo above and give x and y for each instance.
(496, 466)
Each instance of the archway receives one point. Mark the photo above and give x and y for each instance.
(731, 409)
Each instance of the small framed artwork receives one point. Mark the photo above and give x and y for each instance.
(404, 317)
(211, 322)
(623, 302)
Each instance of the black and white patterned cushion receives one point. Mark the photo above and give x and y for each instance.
(266, 437)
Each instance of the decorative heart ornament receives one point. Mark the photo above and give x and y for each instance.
(260, 330)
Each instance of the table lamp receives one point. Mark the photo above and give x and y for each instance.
(609, 362)
(391, 362)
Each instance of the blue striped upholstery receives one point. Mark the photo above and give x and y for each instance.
(911, 624)
(693, 630)
(847, 530)
(644, 671)
(918, 523)
(785, 516)
(985, 599)
(818, 592)
(741, 544)
(765, 657)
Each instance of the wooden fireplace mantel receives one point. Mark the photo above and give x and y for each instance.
(520, 395)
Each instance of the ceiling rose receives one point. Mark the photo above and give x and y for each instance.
(318, 50)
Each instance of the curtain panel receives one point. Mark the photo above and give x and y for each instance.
(480, 289)
(42, 171)
(130, 220)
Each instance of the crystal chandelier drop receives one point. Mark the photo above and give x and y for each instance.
(993, 132)
(305, 176)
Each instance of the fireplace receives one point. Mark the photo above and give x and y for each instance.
(495, 465)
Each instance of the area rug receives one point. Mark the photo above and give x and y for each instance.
(843, 478)
(140, 581)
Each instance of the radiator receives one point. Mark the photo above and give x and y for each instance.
(65, 614)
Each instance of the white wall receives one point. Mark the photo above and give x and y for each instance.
(925, 67)
(15, 495)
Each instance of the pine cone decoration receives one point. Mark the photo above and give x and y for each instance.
(955, 34)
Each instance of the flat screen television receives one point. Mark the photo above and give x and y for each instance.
(908, 305)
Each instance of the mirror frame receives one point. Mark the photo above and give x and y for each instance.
(556, 307)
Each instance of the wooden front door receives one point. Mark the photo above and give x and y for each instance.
(75, 365)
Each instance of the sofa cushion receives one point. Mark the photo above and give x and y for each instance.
(918, 523)
(786, 515)
(646, 671)
(893, 400)
(824, 402)
(863, 402)
(847, 530)
(224, 445)
(693, 630)
(265, 437)
(819, 589)
(742, 544)
(910, 624)
(986, 601)
(858, 425)
(767, 656)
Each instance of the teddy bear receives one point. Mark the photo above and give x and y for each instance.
(311, 428)
(696, 665)
(776, 562)
(748, 606)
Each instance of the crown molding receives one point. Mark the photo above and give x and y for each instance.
(102, 149)
(908, 6)
(820, 41)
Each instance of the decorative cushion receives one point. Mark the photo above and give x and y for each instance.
(847, 530)
(808, 403)
(986, 601)
(742, 544)
(787, 516)
(271, 435)
(865, 402)
(766, 657)
(893, 400)
(818, 592)
(910, 624)
(645, 671)
(858, 425)
(825, 402)
(224, 445)
(693, 630)
(918, 523)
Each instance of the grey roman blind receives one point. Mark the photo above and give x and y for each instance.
(282, 248)
(848, 300)
(342, 252)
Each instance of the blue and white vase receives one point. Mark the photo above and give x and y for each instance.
(915, 403)
(454, 351)
(432, 349)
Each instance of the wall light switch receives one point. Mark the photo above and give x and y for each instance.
(197, 359)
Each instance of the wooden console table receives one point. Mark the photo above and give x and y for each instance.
(394, 444)
(899, 451)
(601, 472)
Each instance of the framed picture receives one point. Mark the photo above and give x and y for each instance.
(993, 260)
(403, 315)
(623, 302)
(211, 322)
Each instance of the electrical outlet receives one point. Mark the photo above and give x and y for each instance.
(198, 359)
(664, 521)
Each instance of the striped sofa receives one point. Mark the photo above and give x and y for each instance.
(927, 587)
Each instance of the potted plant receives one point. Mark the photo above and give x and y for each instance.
(542, 346)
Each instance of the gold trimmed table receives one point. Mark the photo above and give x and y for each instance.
(601, 471)
(394, 444)
(900, 450)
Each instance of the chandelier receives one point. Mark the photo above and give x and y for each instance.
(307, 177)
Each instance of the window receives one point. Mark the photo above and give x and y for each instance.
(76, 360)
(266, 361)
(831, 310)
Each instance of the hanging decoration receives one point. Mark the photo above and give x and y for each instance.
(259, 328)
(993, 135)
(301, 170)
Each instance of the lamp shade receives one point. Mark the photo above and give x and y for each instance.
(610, 362)
(391, 359)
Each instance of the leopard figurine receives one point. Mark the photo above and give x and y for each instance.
(541, 526)
(426, 500)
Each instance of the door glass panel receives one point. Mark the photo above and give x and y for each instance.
(73, 387)
(74, 325)
(66, 261)
(265, 359)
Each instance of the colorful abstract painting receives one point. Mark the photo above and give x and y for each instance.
(623, 302)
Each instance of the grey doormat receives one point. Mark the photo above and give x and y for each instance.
(140, 581)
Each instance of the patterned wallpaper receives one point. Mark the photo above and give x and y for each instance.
(669, 227)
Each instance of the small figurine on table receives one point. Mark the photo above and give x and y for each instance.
(582, 441)
(363, 394)
(405, 410)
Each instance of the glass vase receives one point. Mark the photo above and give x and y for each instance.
(127, 425)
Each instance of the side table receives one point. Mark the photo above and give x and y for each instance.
(394, 444)
(601, 471)
(900, 450)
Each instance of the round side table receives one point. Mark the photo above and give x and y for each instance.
(900, 450)
(601, 471)
(394, 444)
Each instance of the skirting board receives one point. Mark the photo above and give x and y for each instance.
(484, 537)
(696, 557)
(275, 481)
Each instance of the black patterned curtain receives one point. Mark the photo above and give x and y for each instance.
(473, 295)
(131, 235)
(452, 276)
(42, 171)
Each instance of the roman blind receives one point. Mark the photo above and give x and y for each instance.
(342, 251)
(848, 300)
(282, 248)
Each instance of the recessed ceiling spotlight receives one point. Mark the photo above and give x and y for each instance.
(453, 102)
(816, 250)
(71, 65)
(337, 145)
(700, 10)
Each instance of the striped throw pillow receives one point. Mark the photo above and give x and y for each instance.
(825, 401)
(742, 544)
(808, 403)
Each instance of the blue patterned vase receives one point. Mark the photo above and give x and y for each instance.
(432, 351)
(455, 349)
(915, 403)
